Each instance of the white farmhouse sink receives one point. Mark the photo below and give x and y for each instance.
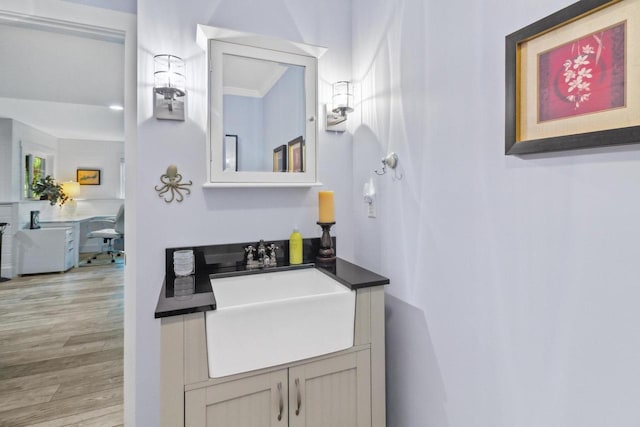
(273, 318)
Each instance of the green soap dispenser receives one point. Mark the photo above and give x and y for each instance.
(295, 247)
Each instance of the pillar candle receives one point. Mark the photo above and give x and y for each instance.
(325, 203)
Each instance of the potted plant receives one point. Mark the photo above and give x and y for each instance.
(47, 189)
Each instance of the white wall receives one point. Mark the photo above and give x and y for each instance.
(90, 154)
(8, 215)
(514, 281)
(219, 216)
(127, 6)
(17, 140)
(6, 158)
(25, 140)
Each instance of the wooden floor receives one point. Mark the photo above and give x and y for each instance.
(61, 349)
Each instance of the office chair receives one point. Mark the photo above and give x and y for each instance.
(108, 235)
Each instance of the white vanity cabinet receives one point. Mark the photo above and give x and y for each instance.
(46, 250)
(341, 389)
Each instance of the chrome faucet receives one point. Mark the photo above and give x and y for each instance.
(262, 249)
(266, 255)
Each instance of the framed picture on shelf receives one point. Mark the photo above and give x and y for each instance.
(280, 158)
(231, 152)
(88, 176)
(296, 155)
(570, 82)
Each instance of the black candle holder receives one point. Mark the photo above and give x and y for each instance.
(326, 254)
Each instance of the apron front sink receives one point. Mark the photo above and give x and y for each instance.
(273, 318)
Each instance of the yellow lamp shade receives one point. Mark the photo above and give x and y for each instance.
(326, 207)
(71, 189)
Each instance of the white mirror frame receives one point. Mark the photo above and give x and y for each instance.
(218, 41)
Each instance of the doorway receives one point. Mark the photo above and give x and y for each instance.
(67, 20)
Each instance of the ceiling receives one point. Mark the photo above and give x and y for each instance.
(62, 83)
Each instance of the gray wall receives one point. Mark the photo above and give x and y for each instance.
(514, 281)
(225, 215)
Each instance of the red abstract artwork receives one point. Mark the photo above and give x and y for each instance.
(583, 76)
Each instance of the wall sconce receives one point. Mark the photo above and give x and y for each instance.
(169, 93)
(342, 104)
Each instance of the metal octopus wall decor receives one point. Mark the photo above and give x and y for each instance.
(173, 185)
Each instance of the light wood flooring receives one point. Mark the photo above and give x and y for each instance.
(61, 349)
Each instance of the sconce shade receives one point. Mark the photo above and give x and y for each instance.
(341, 105)
(342, 97)
(168, 76)
(71, 189)
(169, 85)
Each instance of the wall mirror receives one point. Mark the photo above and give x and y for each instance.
(262, 109)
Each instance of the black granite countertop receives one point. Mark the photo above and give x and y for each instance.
(352, 276)
(193, 294)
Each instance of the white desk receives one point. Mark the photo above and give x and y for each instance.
(79, 226)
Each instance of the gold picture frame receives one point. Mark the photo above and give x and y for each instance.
(296, 155)
(88, 176)
(280, 158)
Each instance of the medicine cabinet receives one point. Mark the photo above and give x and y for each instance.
(262, 109)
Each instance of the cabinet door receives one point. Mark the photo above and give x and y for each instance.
(258, 401)
(331, 392)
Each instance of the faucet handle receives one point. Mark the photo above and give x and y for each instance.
(273, 254)
(261, 250)
(249, 251)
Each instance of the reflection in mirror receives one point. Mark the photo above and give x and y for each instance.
(264, 105)
(280, 158)
(231, 153)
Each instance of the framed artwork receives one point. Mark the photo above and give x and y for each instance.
(570, 82)
(88, 176)
(280, 158)
(296, 155)
(231, 152)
